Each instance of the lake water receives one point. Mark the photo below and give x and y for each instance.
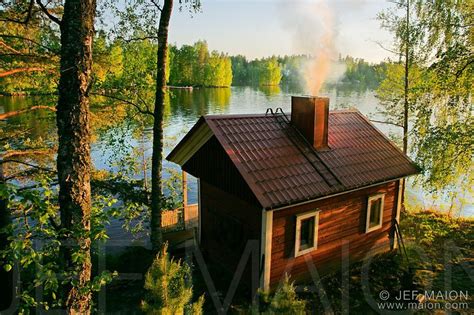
(186, 106)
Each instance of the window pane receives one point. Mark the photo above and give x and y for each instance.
(375, 212)
(307, 233)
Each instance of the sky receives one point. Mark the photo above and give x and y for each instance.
(261, 28)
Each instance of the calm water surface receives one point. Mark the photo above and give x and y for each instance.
(185, 107)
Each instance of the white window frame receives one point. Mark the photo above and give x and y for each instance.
(369, 202)
(299, 218)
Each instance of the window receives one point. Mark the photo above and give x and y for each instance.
(306, 239)
(374, 213)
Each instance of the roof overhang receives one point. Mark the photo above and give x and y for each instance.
(191, 143)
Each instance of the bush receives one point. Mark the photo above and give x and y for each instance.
(169, 287)
(283, 301)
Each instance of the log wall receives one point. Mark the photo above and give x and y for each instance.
(342, 220)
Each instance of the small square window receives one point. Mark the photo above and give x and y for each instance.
(306, 238)
(374, 212)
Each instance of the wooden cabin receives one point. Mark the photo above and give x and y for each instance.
(306, 187)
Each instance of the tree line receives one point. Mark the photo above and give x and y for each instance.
(119, 64)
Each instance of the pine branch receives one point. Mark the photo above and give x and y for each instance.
(26, 39)
(48, 14)
(19, 70)
(17, 153)
(156, 4)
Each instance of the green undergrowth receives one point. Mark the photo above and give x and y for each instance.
(439, 257)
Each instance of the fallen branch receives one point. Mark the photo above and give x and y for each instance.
(22, 111)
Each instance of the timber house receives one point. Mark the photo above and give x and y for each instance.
(303, 186)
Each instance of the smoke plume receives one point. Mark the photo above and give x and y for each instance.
(312, 27)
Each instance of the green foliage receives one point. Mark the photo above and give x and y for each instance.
(34, 47)
(285, 301)
(108, 61)
(36, 240)
(292, 69)
(360, 72)
(195, 66)
(265, 72)
(391, 91)
(269, 72)
(168, 283)
(441, 83)
(139, 66)
(439, 248)
(240, 70)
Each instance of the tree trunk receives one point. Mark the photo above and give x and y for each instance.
(405, 103)
(156, 167)
(73, 160)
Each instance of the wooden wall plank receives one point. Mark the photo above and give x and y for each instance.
(342, 219)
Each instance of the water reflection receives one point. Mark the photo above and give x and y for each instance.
(198, 102)
(182, 109)
(39, 123)
(270, 91)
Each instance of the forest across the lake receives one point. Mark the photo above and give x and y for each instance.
(118, 64)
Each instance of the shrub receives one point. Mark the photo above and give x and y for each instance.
(283, 301)
(169, 288)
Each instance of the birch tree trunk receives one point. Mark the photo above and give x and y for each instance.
(156, 168)
(406, 107)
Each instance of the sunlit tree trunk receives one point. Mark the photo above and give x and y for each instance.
(405, 97)
(156, 168)
(73, 159)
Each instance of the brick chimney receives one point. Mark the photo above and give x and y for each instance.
(310, 116)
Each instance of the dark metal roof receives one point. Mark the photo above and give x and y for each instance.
(281, 168)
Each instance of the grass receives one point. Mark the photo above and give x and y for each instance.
(439, 258)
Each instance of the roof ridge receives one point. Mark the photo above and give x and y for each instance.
(344, 110)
